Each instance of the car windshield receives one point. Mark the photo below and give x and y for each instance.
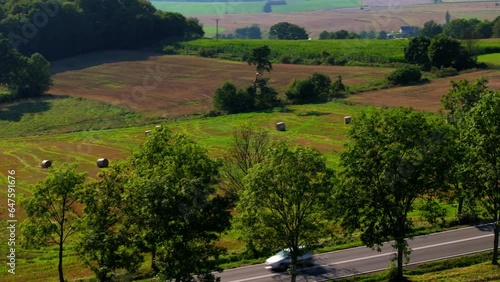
(283, 254)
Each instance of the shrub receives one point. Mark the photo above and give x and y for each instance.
(207, 52)
(169, 50)
(231, 100)
(314, 89)
(285, 60)
(405, 75)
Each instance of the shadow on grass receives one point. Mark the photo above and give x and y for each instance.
(101, 57)
(15, 111)
(313, 113)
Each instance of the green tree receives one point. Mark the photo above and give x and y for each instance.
(289, 198)
(482, 138)
(459, 100)
(317, 87)
(382, 35)
(267, 7)
(395, 156)
(231, 100)
(261, 59)
(447, 17)
(174, 194)
(417, 51)
(495, 26)
(9, 62)
(431, 29)
(108, 236)
(51, 210)
(33, 77)
(443, 51)
(288, 31)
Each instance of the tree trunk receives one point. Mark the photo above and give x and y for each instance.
(495, 243)
(399, 274)
(460, 207)
(293, 267)
(154, 266)
(60, 265)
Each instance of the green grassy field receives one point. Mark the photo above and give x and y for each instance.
(490, 59)
(370, 51)
(236, 7)
(210, 31)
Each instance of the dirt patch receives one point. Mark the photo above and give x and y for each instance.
(177, 85)
(423, 97)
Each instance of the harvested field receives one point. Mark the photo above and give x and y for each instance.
(374, 16)
(423, 97)
(175, 85)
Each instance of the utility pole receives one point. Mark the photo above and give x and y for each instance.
(216, 29)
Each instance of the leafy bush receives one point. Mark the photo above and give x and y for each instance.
(314, 89)
(207, 52)
(169, 50)
(405, 75)
(231, 100)
(285, 60)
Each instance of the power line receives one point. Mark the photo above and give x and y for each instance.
(217, 29)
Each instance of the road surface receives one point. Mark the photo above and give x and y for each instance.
(361, 260)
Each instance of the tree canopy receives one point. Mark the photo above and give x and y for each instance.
(396, 155)
(288, 198)
(288, 31)
(58, 29)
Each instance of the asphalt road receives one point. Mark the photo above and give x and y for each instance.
(360, 260)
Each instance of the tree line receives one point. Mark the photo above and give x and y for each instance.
(172, 200)
(64, 28)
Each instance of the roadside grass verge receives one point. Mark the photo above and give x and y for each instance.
(475, 267)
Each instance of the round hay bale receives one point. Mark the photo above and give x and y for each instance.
(46, 164)
(102, 163)
(347, 119)
(280, 126)
(158, 127)
(147, 132)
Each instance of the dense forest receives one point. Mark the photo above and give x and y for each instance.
(64, 28)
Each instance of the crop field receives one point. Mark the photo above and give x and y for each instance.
(248, 7)
(178, 85)
(368, 51)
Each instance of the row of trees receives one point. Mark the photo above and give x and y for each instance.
(440, 51)
(164, 199)
(63, 28)
(463, 28)
(23, 76)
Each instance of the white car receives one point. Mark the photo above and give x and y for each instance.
(283, 258)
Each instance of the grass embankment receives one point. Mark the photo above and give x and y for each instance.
(249, 7)
(476, 267)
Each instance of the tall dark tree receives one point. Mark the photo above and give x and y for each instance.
(443, 51)
(482, 138)
(33, 76)
(431, 29)
(288, 31)
(174, 195)
(395, 156)
(52, 210)
(496, 27)
(288, 197)
(447, 17)
(417, 51)
(108, 240)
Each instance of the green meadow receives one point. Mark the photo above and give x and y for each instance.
(250, 7)
(490, 59)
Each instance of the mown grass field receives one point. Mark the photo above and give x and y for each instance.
(490, 59)
(237, 7)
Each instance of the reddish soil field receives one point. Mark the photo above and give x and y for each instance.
(423, 97)
(158, 85)
(376, 15)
